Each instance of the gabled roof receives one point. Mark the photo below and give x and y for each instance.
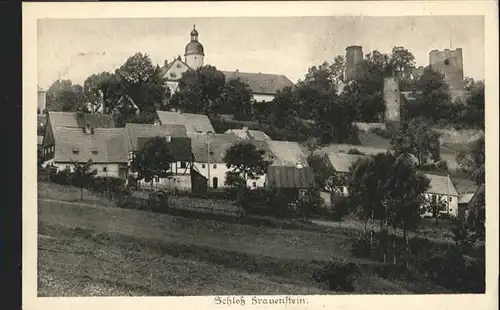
(249, 134)
(289, 177)
(341, 162)
(164, 70)
(216, 144)
(179, 147)
(135, 131)
(477, 194)
(286, 153)
(80, 120)
(194, 122)
(465, 198)
(441, 185)
(105, 145)
(261, 83)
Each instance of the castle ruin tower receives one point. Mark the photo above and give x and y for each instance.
(392, 100)
(450, 64)
(194, 52)
(42, 98)
(353, 55)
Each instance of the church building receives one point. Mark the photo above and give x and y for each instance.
(264, 86)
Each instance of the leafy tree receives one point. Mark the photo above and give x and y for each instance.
(389, 189)
(283, 110)
(310, 204)
(236, 99)
(435, 206)
(474, 108)
(142, 82)
(325, 176)
(418, 139)
(62, 95)
(153, 160)
(103, 89)
(433, 95)
(476, 217)
(82, 175)
(246, 161)
(401, 59)
(472, 161)
(200, 91)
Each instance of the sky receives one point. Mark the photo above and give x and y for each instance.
(76, 48)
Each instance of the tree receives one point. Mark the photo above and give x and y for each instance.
(472, 161)
(62, 95)
(310, 204)
(401, 59)
(200, 91)
(246, 161)
(142, 82)
(283, 108)
(433, 95)
(475, 220)
(153, 160)
(103, 91)
(435, 206)
(325, 176)
(236, 99)
(418, 139)
(82, 175)
(474, 108)
(389, 189)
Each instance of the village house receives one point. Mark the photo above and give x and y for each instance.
(286, 153)
(194, 123)
(295, 180)
(106, 147)
(341, 162)
(264, 86)
(76, 120)
(442, 189)
(180, 148)
(208, 153)
(248, 134)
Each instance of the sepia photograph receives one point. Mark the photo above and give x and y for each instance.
(260, 155)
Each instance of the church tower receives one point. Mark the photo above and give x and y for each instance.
(194, 53)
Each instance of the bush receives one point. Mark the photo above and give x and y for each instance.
(62, 177)
(340, 277)
(361, 247)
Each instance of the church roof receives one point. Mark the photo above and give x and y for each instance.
(261, 83)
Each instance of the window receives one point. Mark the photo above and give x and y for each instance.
(104, 169)
(67, 168)
(76, 151)
(179, 65)
(451, 199)
(183, 164)
(157, 179)
(173, 75)
(215, 166)
(446, 62)
(203, 166)
(94, 152)
(451, 209)
(254, 184)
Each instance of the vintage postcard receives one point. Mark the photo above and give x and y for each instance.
(270, 154)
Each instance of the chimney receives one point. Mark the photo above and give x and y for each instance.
(237, 73)
(165, 63)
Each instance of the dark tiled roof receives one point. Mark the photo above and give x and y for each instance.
(217, 143)
(194, 122)
(136, 131)
(180, 148)
(105, 145)
(261, 83)
(441, 185)
(289, 177)
(79, 120)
